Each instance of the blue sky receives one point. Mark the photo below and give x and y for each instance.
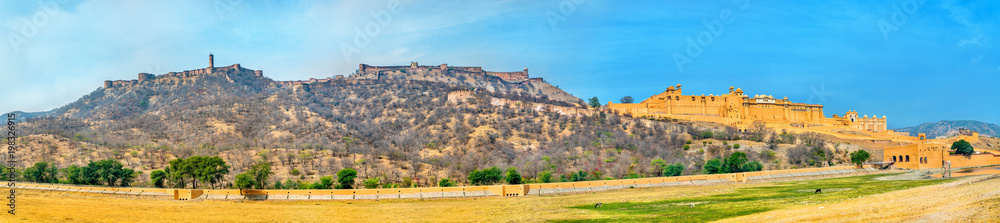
(912, 61)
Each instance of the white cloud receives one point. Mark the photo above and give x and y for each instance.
(974, 40)
(977, 59)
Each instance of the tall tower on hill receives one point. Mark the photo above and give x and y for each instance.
(211, 63)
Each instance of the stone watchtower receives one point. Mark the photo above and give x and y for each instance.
(211, 63)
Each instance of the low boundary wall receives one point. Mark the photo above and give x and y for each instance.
(465, 191)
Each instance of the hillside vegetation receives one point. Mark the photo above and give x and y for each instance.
(393, 130)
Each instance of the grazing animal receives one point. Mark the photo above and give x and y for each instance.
(819, 191)
(599, 204)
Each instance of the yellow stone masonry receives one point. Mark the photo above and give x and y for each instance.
(739, 110)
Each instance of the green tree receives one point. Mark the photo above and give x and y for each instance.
(107, 172)
(326, 182)
(594, 102)
(260, 172)
(513, 177)
(487, 176)
(345, 178)
(713, 166)
(961, 147)
(6, 173)
(212, 170)
(41, 172)
(546, 176)
(752, 166)
(244, 181)
(627, 100)
(445, 182)
(659, 166)
(734, 163)
(674, 170)
(158, 177)
(73, 175)
(859, 157)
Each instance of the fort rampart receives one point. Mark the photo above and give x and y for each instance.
(465, 191)
(512, 77)
(234, 69)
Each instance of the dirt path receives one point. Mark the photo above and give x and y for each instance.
(972, 199)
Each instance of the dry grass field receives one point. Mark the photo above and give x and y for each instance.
(970, 198)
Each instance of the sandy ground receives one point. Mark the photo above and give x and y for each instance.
(57, 206)
(972, 199)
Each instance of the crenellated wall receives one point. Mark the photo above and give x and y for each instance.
(374, 71)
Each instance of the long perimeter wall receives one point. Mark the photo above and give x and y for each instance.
(466, 191)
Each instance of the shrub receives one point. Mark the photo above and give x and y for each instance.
(706, 135)
(371, 183)
(445, 182)
(407, 182)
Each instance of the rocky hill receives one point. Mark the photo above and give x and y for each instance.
(949, 128)
(421, 128)
(393, 124)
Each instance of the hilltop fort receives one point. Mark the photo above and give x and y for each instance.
(234, 69)
(739, 110)
(742, 111)
(379, 72)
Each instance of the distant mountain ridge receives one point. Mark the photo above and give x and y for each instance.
(948, 127)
